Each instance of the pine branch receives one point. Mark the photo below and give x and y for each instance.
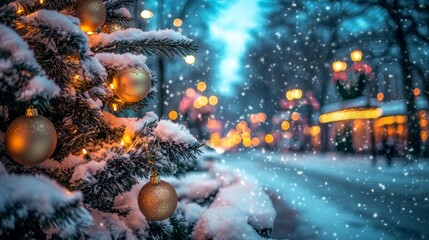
(113, 15)
(148, 47)
(41, 214)
(8, 16)
(81, 126)
(103, 186)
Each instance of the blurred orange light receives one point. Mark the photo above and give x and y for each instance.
(424, 136)
(269, 138)
(177, 22)
(197, 104)
(247, 142)
(285, 125)
(423, 123)
(314, 131)
(213, 100)
(339, 66)
(416, 91)
(262, 117)
(295, 116)
(356, 56)
(254, 118)
(190, 92)
(255, 141)
(201, 86)
(289, 95)
(380, 96)
(173, 115)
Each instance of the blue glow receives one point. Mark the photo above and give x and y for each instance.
(231, 30)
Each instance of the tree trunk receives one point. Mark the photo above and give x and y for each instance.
(407, 72)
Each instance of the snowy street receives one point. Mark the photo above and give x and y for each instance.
(340, 197)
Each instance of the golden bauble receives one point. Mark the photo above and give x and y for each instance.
(112, 27)
(157, 201)
(91, 13)
(30, 139)
(132, 85)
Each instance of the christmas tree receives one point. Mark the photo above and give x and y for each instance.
(68, 161)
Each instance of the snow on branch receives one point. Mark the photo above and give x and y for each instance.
(162, 42)
(19, 71)
(115, 170)
(117, 11)
(56, 31)
(122, 61)
(41, 207)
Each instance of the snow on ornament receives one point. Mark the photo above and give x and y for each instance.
(132, 85)
(157, 199)
(91, 13)
(30, 139)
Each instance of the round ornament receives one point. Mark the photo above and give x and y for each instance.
(30, 139)
(132, 85)
(92, 14)
(157, 199)
(112, 27)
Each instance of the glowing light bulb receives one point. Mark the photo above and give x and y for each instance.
(84, 151)
(177, 22)
(146, 14)
(190, 59)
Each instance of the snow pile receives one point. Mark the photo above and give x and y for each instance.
(172, 132)
(39, 85)
(239, 209)
(223, 223)
(195, 185)
(134, 34)
(35, 194)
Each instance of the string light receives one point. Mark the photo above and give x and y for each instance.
(122, 143)
(115, 107)
(111, 86)
(84, 151)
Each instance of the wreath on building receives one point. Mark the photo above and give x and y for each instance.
(351, 83)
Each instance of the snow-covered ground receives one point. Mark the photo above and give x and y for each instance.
(335, 196)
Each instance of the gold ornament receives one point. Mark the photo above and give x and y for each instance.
(92, 14)
(157, 199)
(132, 85)
(30, 139)
(112, 27)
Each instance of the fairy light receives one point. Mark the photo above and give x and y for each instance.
(111, 86)
(146, 14)
(177, 22)
(122, 143)
(90, 33)
(213, 100)
(84, 151)
(190, 59)
(115, 107)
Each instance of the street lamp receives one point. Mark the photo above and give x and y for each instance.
(356, 56)
(339, 66)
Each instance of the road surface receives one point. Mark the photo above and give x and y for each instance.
(340, 197)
